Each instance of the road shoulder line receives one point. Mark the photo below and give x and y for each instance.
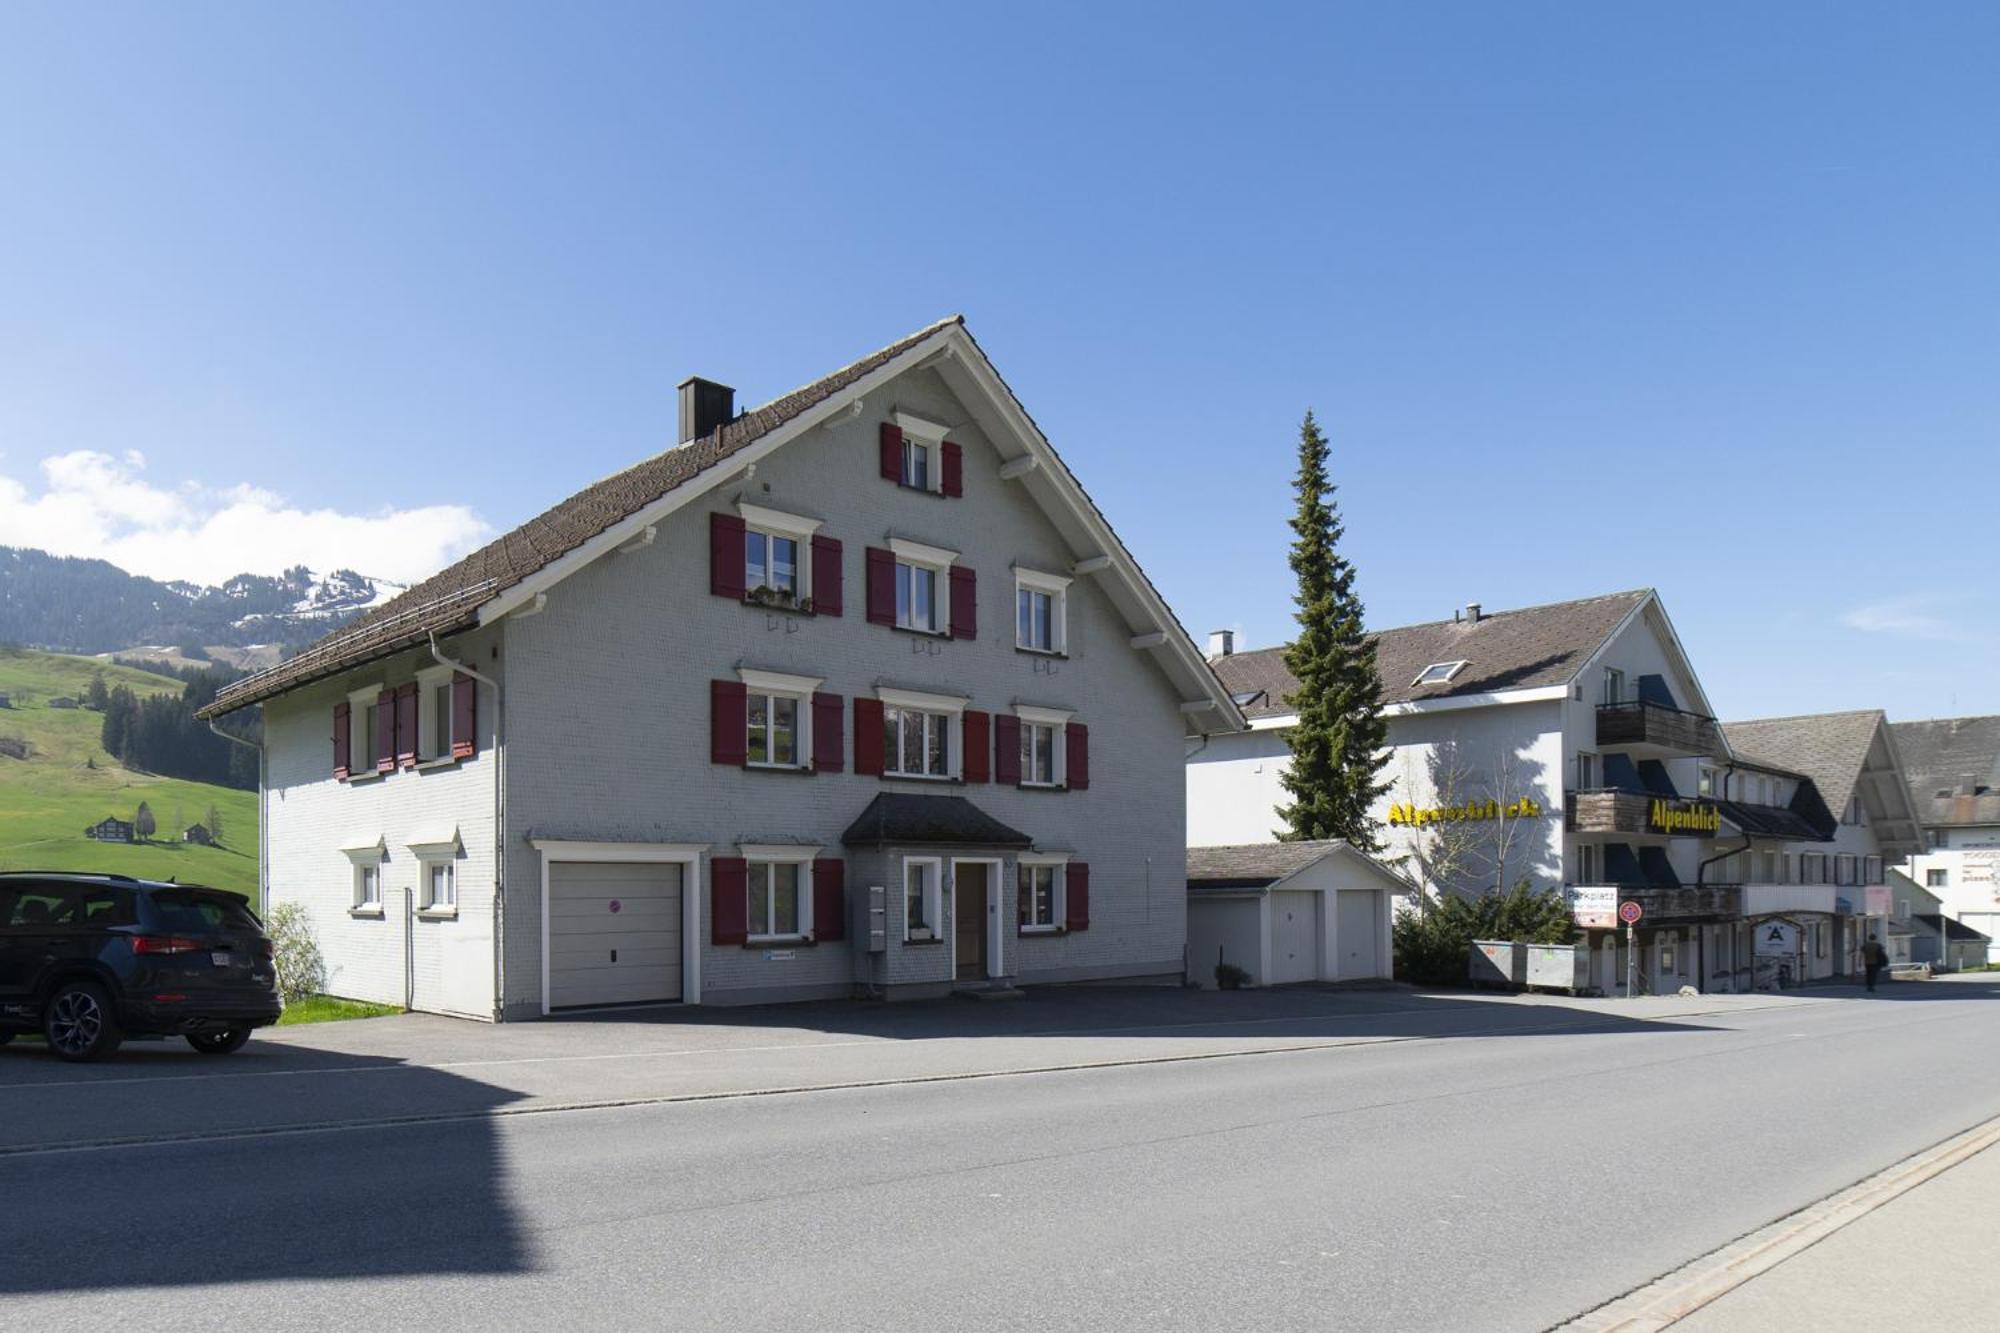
(1676, 1295)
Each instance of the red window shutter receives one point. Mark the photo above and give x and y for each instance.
(954, 469)
(892, 451)
(728, 722)
(978, 745)
(464, 716)
(1076, 756)
(1007, 749)
(725, 555)
(829, 899)
(728, 900)
(829, 745)
(826, 576)
(343, 717)
(385, 731)
(1076, 896)
(406, 724)
(868, 737)
(881, 586)
(964, 603)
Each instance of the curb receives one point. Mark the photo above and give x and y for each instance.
(1678, 1294)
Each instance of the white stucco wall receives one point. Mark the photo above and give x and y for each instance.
(441, 965)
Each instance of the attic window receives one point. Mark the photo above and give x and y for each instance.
(1437, 673)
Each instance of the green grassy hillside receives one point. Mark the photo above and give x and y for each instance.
(67, 782)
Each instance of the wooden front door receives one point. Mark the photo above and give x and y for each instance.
(969, 881)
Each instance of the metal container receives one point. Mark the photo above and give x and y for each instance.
(1497, 963)
(1559, 966)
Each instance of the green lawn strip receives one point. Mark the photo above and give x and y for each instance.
(68, 782)
(331, 1009)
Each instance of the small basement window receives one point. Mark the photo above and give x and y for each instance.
(1437, 673)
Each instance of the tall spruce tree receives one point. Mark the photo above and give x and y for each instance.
(1338, 743)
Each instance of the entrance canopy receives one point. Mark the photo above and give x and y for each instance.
(910, 820)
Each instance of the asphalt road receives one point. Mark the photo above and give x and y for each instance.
(1499, 1181)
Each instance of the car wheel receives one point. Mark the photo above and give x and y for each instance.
(79, 1022)
(219, 1043)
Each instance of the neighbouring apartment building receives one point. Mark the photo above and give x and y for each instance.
(1954, 770)
(854, 693)
(1572, 745)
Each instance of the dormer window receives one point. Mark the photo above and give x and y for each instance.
(1437, 673)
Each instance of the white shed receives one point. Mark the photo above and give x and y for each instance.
(1290, 911)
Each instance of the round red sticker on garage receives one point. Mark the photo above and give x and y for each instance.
(616, 905)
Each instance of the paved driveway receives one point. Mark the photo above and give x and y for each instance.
(422, 1067)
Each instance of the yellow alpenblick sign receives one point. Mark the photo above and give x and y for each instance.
(1416, 817)
(1695, 817)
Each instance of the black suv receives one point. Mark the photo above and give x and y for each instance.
(88, 960)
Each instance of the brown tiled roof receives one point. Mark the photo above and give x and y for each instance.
(1829, 748)
(1257, 864)
(450, 599)
(1939, 755)
(1503, 650)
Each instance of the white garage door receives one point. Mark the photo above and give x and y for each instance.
(614, 933)
(1294, 937)
(1358, 934)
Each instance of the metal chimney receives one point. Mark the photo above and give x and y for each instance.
(704, 406)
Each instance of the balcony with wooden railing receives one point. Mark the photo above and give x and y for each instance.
(1642, 726)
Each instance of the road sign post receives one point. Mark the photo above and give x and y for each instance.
(1629, 912)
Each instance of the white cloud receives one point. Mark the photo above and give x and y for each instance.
(1908, 617)
(94, 504)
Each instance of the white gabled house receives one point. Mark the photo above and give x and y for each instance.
(1571, 745)
(854, 693)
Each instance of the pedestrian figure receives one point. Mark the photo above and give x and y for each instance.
(1874, 957)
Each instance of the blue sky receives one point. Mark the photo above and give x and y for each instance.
(1588, 296)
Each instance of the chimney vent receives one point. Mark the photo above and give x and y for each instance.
(1472, 613)
(704, 406)
(1221, 643)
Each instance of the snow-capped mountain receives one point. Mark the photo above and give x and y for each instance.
(91, 606)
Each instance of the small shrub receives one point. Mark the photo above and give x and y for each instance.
(1432, 946)
(301, 967)
(1228, 976)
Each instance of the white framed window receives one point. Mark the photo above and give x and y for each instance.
(365, 867)
(1437, 673)
(923, 451)
(1042, 748)
(440, 886)
(1614, 685)
(778, 718)
(779, 885)
(923, 586)
(1586, 863)
(363, 714)
(1586, 771)
(437, 873)
(777, 555)
(1041, 615)
(1041, 889)
(920, 734)
(923, 898)
(1843, 868)
(1812, 867)
(434, 714)
(1937, 879)
(1871, 871)
(1706, 783)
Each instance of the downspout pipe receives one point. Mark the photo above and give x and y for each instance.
(263, 830)
(499, 817)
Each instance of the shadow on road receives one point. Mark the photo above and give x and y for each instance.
(236, 1199)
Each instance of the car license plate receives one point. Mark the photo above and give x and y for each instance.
(222, 957)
